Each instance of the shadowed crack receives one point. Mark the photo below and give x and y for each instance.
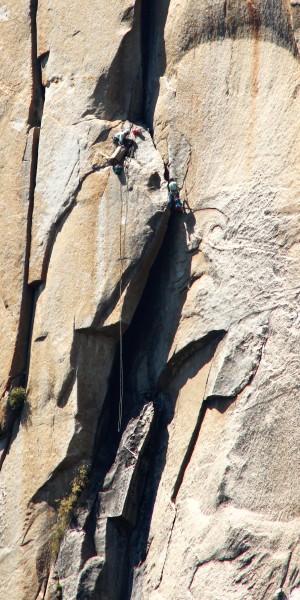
(37, 90)
(167, 549)
(20, 360)
(221, 404)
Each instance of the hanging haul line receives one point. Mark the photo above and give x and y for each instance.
(126, 167)
(120, 322)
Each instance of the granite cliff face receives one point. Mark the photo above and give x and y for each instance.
(191, 320)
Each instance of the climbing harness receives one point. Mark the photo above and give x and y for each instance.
(178, 206)
(175, 203)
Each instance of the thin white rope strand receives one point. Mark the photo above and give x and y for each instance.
(126, 167)
(120, 321)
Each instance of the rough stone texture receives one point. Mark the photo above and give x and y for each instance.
(197, 496)
(88, 227)
(15, 173)
(74, 338)
(234, 525)
(116, 514)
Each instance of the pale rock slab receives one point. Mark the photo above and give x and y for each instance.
(118, 503)
(217, 340)
(73, 358)
(88, 73)
(79, 232)
(17, 146)
(240, 117)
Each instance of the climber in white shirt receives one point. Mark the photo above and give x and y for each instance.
(120, 137)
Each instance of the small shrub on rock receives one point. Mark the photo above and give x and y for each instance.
(6, 417)
(66, 509)
(16, 398)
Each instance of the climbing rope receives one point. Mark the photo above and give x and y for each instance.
(120, 321)
(126, 168)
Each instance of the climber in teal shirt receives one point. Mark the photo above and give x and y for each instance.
(174, 199)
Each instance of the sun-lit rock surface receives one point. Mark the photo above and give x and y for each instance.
(17, 140)
(196, 495)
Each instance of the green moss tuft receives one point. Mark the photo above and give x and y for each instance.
(66, 509)
(16, 398)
